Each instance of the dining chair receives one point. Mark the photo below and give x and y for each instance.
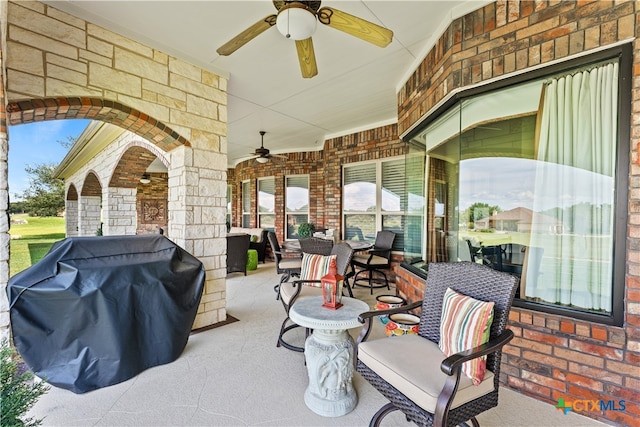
(492, 256)
(375, 260)
(315, 245)
(314, 266)
(288, 266)
(474, 251)
(438, 377)
(237, 247)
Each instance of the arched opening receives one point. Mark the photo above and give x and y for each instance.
(90, 206)
(140, 184)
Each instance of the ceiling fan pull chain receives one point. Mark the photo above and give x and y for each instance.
(288, 11)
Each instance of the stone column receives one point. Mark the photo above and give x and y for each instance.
(4, 233)
(89, 215)
(119, 216)
(71, 218)
(197, 211)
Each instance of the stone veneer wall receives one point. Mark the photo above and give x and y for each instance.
(62, 67)
(551, 356)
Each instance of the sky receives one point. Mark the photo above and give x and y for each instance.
(36, 143)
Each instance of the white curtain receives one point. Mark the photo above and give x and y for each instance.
(574, 190)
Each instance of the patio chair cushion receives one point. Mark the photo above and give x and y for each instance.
(315, 266)
(375, 260)
(287, 290)
(290, 263)
(465, 323)
(401, 362)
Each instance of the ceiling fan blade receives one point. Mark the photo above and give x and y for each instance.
(247, 35)
(358, 27)
(307, 58)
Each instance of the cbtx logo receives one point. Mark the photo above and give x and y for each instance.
(590, 405)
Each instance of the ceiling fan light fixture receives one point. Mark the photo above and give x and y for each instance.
(262, 159)
(295, 21)
(146, 179)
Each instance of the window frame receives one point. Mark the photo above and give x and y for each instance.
(246, 192)
(259, 213)
(379, 212)
(624, 54)
(287, 212)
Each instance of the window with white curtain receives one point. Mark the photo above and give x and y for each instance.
(246, 204)
(297, 203)
(528, 179)
(267, 203)
(374, 198)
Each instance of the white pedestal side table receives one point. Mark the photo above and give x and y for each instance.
(329, 353)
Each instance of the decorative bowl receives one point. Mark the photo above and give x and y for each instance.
(402, 324)
(388, 301)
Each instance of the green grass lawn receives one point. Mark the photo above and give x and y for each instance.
(35, 239)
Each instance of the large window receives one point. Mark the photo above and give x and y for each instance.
(267, 203)
(246, 204)
(374, 198)
(297, 203)
(527, 178)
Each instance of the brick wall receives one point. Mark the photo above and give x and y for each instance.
(551, 356)
(325, 174)
(151, 204)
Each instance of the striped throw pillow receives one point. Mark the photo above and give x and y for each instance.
(315, 266)
(465, 324)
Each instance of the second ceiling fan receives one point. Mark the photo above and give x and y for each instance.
(297, 20)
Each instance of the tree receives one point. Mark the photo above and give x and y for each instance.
(45, 195)
(479, 210)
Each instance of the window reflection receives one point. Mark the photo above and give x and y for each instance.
(523, 179)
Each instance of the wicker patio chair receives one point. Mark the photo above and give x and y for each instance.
(375, 260)
(290, 292)
(315, 245)
(411, 370)
(344, 255)
(237, 247)
(288, 266)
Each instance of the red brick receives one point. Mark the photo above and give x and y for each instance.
(543, 381)
(600, 374)
(532, 345)
(623, 368)
(545, 359)
(575, 356)
(546, 338)
(567, 326)
(599, 332)
(594, 349)
(583, 381)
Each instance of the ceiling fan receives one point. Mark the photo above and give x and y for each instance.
(297, 20)
(262, 154)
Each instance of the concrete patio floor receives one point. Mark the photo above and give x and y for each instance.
(234, 375)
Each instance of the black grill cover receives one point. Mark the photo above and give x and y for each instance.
(96, 311)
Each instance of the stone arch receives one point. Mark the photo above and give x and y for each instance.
(36, 110)
(90, 206)
(136, 207)
(71, 211)
(71, 68)
(133, 162)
